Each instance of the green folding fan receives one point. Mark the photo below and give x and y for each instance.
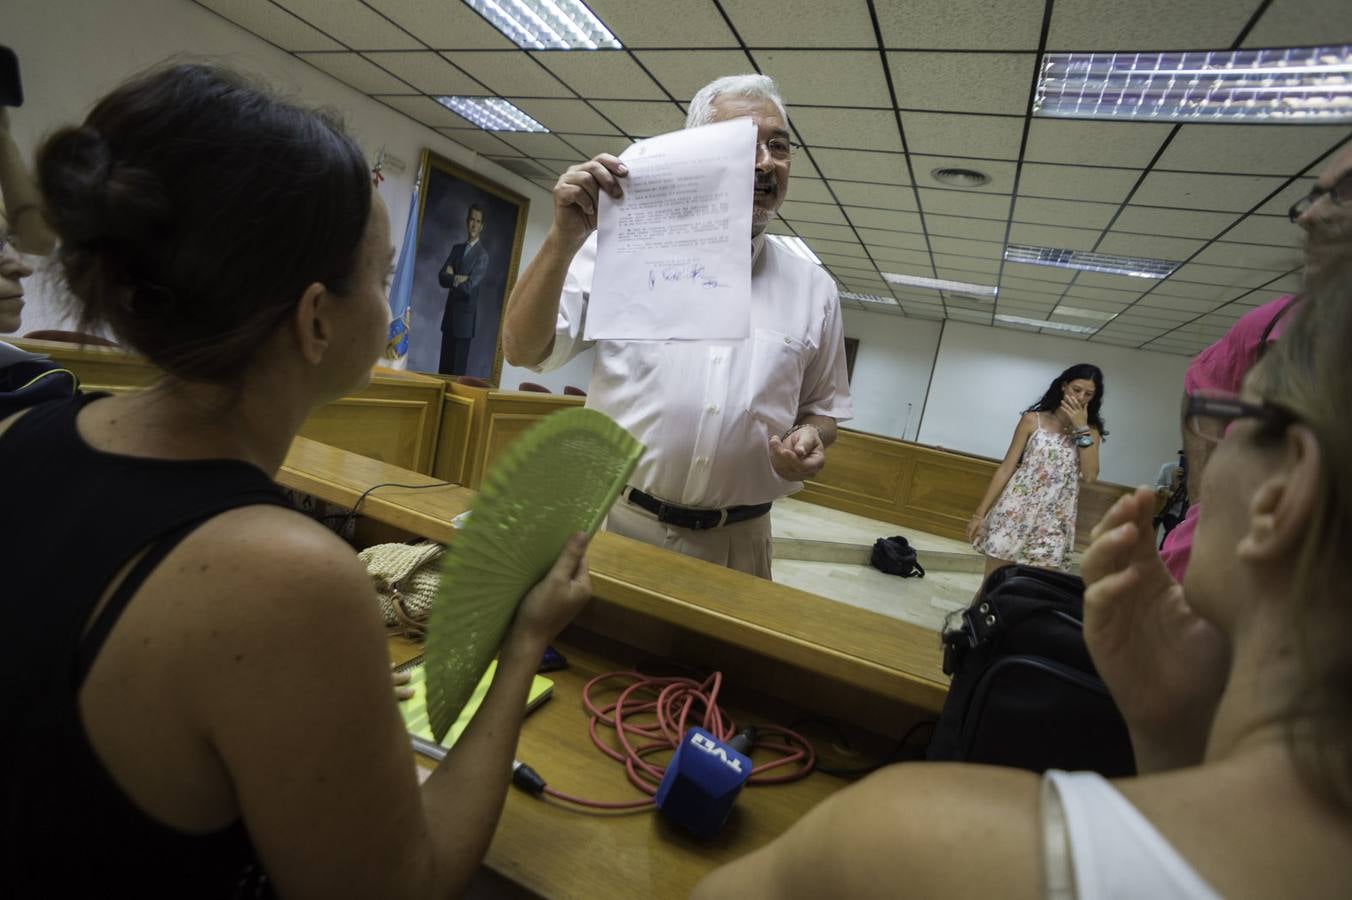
(555, 480)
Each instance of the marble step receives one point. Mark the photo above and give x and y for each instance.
(858, 555)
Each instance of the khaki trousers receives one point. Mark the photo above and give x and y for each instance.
(744, 546)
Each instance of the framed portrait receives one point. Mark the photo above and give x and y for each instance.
(470, 232)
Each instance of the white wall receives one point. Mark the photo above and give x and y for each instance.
(73, 51)
(986, 376)
(891, 371)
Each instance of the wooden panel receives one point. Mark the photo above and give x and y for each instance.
(501, 419)
(395, 418)
(453, 440)
(923, 487)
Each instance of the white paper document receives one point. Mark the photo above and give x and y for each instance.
(673, 255)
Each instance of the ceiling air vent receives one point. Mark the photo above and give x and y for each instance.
(962, 178)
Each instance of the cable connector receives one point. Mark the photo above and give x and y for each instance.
(526, 778)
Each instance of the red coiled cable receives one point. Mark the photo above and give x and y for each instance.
(665, 708)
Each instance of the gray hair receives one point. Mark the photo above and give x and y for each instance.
(761, 86)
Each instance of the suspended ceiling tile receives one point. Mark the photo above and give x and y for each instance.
(570, 116)
(1064, 213)
(819, 230)
(1000, 172)
(836, 261)
(885, 256)
(826, 77)
(609, 74)
(962, 82)
(1235, 193)
(443, 26)
(1032, 298)
(509, 73)
(892, 219)
(1149, 246)
(965, 203)
(272, 23)
(862, 165)
(1169, 309)
(1223, 253)
(427, 111)
(642, 118)
(802, 211)
(593, 145)
(1147, 24)
(1076, 182)
(858, 129)
(964, 247)
(635, 25)
(961, 24)
(942, 134)
(541, 146)
(1281, 204)
(356, 72)
(1229, 276)
(988, 266)
(1186, 223)
(1274, 230)
(850, 247)
(527, 168)
(684, 72)
(1251, 149)
(1178, 287)
(962, 227)
(813, 190)
(1129, 144)
(428, 72)
(1112, 282)
(480, 141)
(353, 23)
(1051, 236)
(884, 196)
(878, 238)
(846, 23)
(1301, 23)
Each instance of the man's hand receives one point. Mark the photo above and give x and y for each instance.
(800, 455)
(576, 196)
(1165, 666)
(460, 279)
(450, 270)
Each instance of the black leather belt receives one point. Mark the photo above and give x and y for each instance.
(695, 519)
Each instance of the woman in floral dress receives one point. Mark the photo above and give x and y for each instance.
(1028, 513)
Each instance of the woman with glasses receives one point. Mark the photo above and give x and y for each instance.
(1236, 687)
(1028, 513)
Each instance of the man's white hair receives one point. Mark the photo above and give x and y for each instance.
(761, 86)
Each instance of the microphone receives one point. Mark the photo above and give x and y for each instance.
(703, 779)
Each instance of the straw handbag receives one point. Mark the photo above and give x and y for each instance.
(406, 579)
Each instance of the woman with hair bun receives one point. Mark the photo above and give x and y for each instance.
(1028, 513)
(198, 698)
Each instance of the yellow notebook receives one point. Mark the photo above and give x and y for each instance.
(415, 708)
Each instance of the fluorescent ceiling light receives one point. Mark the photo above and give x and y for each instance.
(797, 247)
(1134, 266)
(1043, 323)
(868, 298)
(1097, 314)
(491, 113)
(1301, 84)
(940, 284)
(546, 24)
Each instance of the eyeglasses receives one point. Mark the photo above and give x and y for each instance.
(1338, 194)
(1210, 415)
(779, 148)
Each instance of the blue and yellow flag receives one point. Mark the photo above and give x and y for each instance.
(401, 290)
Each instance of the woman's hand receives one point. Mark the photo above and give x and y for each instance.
(1165, 666)
(1074, 413)
(401, 689)
(974, 525)
(556, 598)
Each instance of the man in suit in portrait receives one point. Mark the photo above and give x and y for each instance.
(462, 275)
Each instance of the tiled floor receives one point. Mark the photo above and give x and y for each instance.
(921, 601)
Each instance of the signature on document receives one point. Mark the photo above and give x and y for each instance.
(673, 274)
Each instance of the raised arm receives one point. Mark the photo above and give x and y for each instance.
(294, 697)
(446, 274)
(1024, 430)
(533, 308)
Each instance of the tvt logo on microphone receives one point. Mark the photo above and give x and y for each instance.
(703, 780)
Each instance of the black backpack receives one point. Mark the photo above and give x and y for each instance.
(1024, 691)
(896, 556)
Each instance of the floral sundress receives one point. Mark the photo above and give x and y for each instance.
(1033, 522)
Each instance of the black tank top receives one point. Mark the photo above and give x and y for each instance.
(73, 517)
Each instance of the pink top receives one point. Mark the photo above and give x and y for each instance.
(1221, 367)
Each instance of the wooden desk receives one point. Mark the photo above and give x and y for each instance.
(558, 850)
(639, 585)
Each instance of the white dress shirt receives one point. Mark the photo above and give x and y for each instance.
(705, 409)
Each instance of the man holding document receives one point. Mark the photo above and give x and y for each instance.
(726, 360)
